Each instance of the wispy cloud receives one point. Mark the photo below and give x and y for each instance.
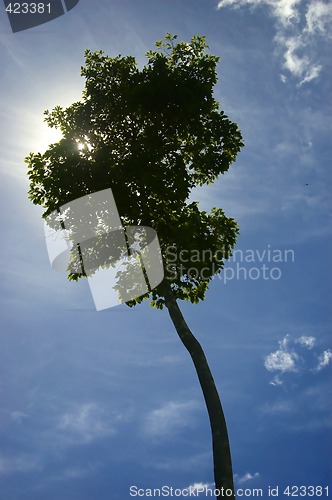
(20, 463)
(324, 359)
(284, 10)
(307, 342)
(13, 48)
(85, 423)
(319, 17)
(298, 25)
(277, 408)
(170, 418)
(306, 408)
(296, 61)
(79, 472)
(276, 381)
(247, 477)
(168, 359)
(192, 462)
(18, 416)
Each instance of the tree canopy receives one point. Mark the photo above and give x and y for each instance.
(151, 134)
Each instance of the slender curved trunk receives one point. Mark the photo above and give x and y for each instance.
(223, 474)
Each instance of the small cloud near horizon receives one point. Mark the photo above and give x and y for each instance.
(247, 477)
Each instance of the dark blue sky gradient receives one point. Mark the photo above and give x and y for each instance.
(92, 403)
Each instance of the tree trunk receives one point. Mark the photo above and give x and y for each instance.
(223, 474)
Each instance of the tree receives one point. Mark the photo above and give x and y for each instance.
(152, 134)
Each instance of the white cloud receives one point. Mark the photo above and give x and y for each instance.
(286, 359)
(198, 488)
(281, 360)
(295, 61)
(319, 18)
(284, 10)
(169, 418)
(307, 342)
(248, 477)
(298, 24)
(324, 359)
(85, 423)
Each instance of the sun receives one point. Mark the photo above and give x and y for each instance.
(48, 136)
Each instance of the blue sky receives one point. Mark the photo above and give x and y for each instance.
(94, 402)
